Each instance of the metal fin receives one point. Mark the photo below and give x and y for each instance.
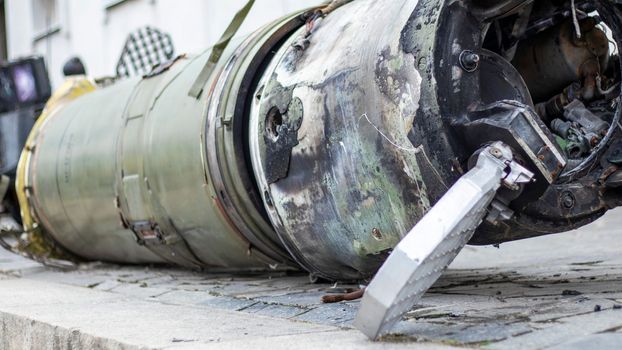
(422, 256)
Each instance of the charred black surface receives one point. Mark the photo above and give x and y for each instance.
(442, 149)
(320, 252)
(282, 121)
(355, 183)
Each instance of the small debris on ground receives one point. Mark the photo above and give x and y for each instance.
(569, 292)
(336, 298)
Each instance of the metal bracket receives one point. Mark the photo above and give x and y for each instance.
(147, 233)
(422, 256)
(518, 126)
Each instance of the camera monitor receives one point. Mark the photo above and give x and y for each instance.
(24, 83)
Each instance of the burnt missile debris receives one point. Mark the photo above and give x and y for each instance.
(368, 140)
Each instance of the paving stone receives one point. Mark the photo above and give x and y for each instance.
(567, 329)
(227, 303)
(494, 298)
(184, 297)
(462, 333)
(339, 314)
(128, 320)
(273, 310)
(596, 341)
(337, 340)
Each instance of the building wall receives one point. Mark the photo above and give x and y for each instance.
(96, 30)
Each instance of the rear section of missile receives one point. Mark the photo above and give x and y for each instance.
(144, 172)
(320, 140)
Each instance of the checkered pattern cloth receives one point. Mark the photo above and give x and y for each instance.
(144, 49)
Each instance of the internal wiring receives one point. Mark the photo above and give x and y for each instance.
(575, 19)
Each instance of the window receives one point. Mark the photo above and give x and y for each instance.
(44, 16)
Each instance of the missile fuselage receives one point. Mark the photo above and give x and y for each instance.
(318, 142)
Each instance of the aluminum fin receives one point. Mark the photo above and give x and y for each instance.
(426, 251)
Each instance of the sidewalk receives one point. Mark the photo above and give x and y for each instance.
(536, 294)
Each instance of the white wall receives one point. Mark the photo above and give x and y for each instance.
(90, 30)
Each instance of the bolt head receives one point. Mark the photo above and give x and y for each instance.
(496, 152)
(469, 61)
(567, 200)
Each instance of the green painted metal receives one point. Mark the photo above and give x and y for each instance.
(142, 172)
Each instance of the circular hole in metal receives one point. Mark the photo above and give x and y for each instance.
(274, 121)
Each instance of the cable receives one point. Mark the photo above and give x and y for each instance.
(575, 19)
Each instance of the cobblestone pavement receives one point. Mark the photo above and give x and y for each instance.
(562, 291)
